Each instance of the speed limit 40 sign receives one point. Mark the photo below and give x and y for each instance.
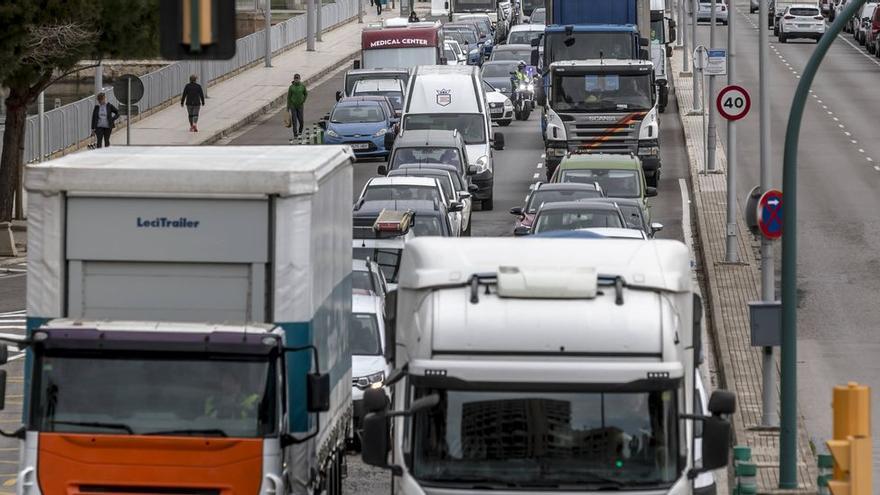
(733, 102)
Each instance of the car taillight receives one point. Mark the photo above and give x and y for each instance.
(818, 18)
(789, 17)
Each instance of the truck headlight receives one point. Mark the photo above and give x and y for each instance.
(482, 164)
(381, 132)
(332, 133)
(649, 150)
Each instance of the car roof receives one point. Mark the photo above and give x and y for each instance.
(617, 232)
(512, 47)
(500, 62)
(445, 167)
(365, 302)
(578, 205)
(428, 138)
(367, 101)
(418, 206)
(600, 160)
(376, 71)
(402, 181)
(565, 186)
(624, 201)
(804, 6)
(527, 27)
(420, 172)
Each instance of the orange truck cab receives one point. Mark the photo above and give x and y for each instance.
(131, 384)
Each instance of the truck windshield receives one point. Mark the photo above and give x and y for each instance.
(473, 6)
(582, 46)
(472, 126)
(658, 35)
(601, 92)
(529, 5)
(530, 440)
(400, 58)
(153, 393)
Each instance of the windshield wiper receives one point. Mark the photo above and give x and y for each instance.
(96, 424)
(214, 432)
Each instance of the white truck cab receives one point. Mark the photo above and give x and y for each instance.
(515, 371)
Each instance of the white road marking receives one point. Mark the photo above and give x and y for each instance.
(840, 125)
(536, 175)
(876, 168)
(853, 141)
(869, 159)
(847, 133)
(861, 150)
(539, 165)
(835, 119)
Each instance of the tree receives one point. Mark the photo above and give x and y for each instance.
(43, 40)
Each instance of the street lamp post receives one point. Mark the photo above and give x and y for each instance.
(731, 254)
(712, 128)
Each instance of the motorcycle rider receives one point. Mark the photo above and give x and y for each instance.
(519, 76)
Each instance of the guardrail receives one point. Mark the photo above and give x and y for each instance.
(70, 124)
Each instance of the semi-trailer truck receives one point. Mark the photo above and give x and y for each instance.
(188, 315)
(516, 371)
(602, 106)
(662, 36)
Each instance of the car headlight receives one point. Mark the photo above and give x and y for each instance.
(332, 133)
(381, 132)
(375, 380)
(508, 104)
(482, 164)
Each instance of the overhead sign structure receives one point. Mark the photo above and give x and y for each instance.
(733, 102)
(716, 65)
(770, 214)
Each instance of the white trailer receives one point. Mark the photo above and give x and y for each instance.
(168, 286)
(519, 371)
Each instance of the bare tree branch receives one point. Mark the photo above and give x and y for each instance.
(50, 44)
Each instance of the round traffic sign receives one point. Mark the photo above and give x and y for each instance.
(121, 85)
(770, 214)
(733, 102)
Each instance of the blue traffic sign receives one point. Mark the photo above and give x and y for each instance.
(770, 214)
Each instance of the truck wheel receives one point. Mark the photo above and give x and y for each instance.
(525, 113)
(487, 204)
(654, 180)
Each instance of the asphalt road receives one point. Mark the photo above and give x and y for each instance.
(516, 168)
(839, 229)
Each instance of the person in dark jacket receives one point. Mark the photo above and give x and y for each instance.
(296, 99)
(413, 17)
(104, 117)
(194, 98)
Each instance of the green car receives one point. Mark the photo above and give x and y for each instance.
(620, 176)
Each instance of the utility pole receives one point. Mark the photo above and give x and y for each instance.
(769, 416)
(310, 25)
(267, 11)
(99, 77)
(202, 77)
(360, 11)
(320, 26)
(731, 254)
(41, 125)
(698, 98)
(712, 128)
(682, 12)
(680, 24)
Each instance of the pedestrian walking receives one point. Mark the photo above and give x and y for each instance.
(194, 98)
(379, 4)
(104, 117)
(296, 99)
(413, 17)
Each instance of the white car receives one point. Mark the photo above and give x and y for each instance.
(413, 188)
(367, 275)
(449, 180)
(369, 367)
(500, 106)
(862, 22)
(704, 12)
(523, 34)
(454, 54)
(801, 21)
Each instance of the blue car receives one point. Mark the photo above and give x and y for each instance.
(364, 124)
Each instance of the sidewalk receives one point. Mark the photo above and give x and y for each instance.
(238, 100)
(729, 288)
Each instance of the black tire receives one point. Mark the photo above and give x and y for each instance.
(525, 114)
(654, 180)
(517, 115)
(467, 231)
(661, 109)
(782, 38)
(775, 31)
(504, 123)
(487, 204)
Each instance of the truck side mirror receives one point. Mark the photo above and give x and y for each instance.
(644, 42)
(716, 443)
(382, 170)
(445, 5)
(318, 392)
(390, 325)
(644, 54)
(722, 402)
(540, 95)
(375, 400)
(672, 32)
(697, 329)
(322, 124)
(533, 59)
(375, 439)
(668, 51)
(4, 354)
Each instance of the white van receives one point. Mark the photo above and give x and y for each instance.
(448, 97)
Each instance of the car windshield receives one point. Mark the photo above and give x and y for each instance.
(352, 79)
(361, 279)
(469, 36)
(517, 55)
(632, 215)
(803, 11)
(615, 183)
(154, 393)
(498, 70)
(399, 192)
(354, 114)
(582, 46)
(442, 178)
(532, 440)
(602, 92)
(388, 260)
(539, 16)
(523, 37)
(448, 156)
(576, 219)
(540, 197)
(426, 224)
(363, 335)
(472, 126)
(396, 97)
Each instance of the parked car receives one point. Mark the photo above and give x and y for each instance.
(801, 21)
(362, 123)
(545, 193)
(704, 11)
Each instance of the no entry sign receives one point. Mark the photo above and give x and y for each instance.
(770, 214)
(733, 102)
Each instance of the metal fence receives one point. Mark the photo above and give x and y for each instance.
(71, 123)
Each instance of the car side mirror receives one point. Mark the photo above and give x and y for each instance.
(533, 59)
(472, 170)
(318, 392)
(516, 210)
(498, 141)
(338, 95)
(375, 439)
(656, 227)
(382, 170)
(521, 230)
(464, 195)
(455, 206)
(322, 124)
(650, 192)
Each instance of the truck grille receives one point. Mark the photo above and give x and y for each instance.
(608, 133)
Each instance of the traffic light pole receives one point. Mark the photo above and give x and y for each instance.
(788, 433)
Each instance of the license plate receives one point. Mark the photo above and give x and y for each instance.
(360, 146)
(804, 26)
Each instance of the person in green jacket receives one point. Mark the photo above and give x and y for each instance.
(296, 98)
